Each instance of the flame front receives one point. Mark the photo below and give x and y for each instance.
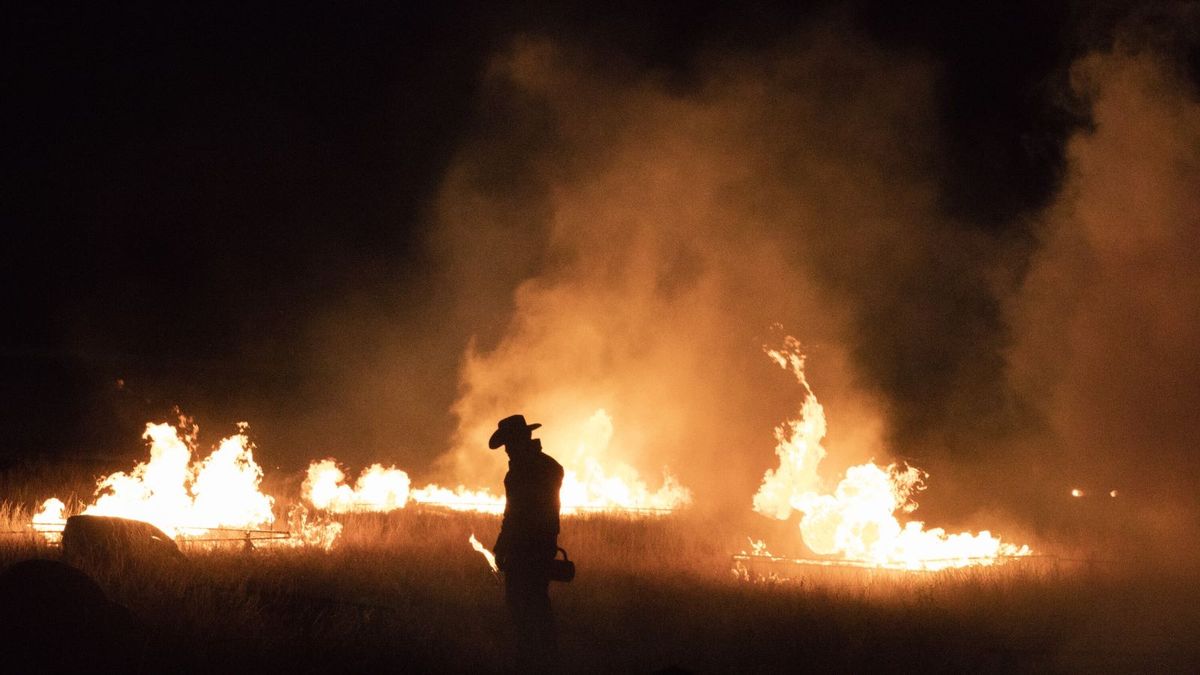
(857, 520)
(377, 488)
(587, 485)
(459, 499)
(176, 495)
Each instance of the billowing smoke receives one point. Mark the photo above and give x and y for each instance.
(638, 240)
(654, 236)
(1108, 321)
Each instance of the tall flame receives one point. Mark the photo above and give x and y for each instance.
(858, 519)
(172, 493)
(177, 495)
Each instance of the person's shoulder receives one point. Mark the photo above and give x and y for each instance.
(551, 464)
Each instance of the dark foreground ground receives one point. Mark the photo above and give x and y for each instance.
(404, 592)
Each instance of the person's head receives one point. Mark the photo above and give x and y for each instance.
(516, 436)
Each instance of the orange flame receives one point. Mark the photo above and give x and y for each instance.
(483, 551)
(587, 485)
(377, 488)
(185, 498)
(858, 519)
(49, 520)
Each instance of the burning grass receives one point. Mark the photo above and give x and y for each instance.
(405, 590)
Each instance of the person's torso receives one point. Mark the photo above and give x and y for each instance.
(531, 489)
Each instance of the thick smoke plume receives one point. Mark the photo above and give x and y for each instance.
(653, 236)
(1108, 320)
(624, 242)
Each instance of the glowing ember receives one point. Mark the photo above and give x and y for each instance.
(1076, 492)
(483, 551)
(176, 495)
(858, 519)
(587, 485)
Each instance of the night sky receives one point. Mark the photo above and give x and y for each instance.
(199, 199)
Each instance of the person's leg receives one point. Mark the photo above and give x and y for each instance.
(527, 595)
(543, 620)
(519, 596)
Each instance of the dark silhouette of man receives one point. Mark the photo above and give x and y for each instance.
(528, 540)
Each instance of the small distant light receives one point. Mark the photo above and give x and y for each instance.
(1076, 492)
(1112, 494)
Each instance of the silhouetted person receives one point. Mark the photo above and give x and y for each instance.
(528, 540)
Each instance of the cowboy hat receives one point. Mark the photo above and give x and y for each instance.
(509, 427)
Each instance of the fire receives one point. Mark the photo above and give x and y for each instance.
(177, 495)
(459, 499)
(483, 551)
(318, 532)
(186, 498)
(50, 519)
(857, 520)
(381, 490)
(1076, 492)
(377, 488)
(587, 485)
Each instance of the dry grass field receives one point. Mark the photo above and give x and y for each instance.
(404, 592)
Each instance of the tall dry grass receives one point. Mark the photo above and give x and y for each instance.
(404, 591)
